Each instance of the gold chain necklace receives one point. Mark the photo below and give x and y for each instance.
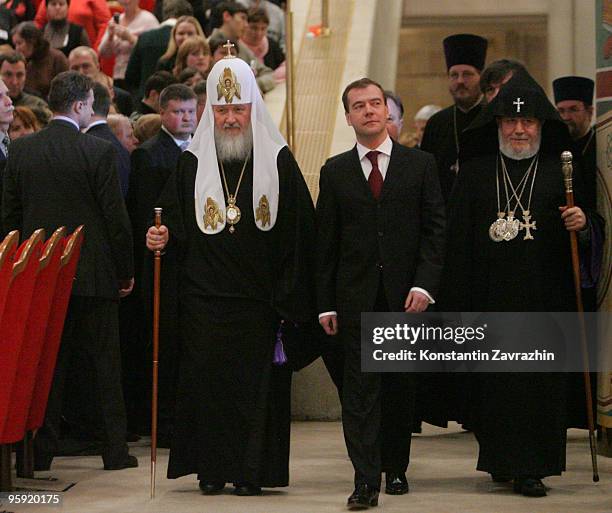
(232, 212)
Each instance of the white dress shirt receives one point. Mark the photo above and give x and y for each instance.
(181, 143)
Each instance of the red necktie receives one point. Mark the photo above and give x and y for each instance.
(375, 179)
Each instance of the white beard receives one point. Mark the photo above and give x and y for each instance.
(507, 150)
(233, 147)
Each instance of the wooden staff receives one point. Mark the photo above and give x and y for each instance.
(567, 168)
(156, 294)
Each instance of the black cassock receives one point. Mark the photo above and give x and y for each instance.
(518, 419)
(233, 405)
(439, 140)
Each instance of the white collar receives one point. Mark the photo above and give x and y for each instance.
(385, 147)
(95, 123)
(170, 22)
(178, 142)
(69, 120)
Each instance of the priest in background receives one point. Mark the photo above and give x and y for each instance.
(465, 59)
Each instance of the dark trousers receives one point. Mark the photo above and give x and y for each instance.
(377, 412)
(92, 328)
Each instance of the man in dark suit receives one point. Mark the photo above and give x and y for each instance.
(85, 60)
(152, 164)
(98, 127)
(380, 222)
(155, 84)
(61, 177)
(152, 44)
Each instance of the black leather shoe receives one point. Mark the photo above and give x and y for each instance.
(500, 478)
(42, 462)
(129, 462)
(211, 487)
(529, 487)
(363, 497)
(246, 489)
(396, 483)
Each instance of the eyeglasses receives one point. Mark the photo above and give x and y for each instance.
(570, 110)
(464, 75)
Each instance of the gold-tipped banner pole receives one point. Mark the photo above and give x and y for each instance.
(568, 170)
(325, 18)
(156, 296)
(290, 80)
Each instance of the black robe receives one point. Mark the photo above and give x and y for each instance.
(233, 404)
(439, 140)
(519, 419)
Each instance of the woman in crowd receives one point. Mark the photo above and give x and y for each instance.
(218, 51)
(121, 36)
(24, 123)
(146, 126)
(43, 62)
(265, 49)
(61, 34)
(194, 53)
(92, 15)
(190, 77)
(186, 27)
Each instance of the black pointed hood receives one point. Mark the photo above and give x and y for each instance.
(521, 96)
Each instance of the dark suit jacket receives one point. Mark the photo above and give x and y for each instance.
(122, 156)
(401, 234)
(61, 177)
(150, 47)
(123, 100)
(152, 164)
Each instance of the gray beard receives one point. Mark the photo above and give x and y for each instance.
(507, 150)
(233, 147)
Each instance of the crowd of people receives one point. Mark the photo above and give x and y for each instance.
(250, 264)
(87, 36)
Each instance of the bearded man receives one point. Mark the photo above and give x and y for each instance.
(510, 246)
(465, 58)
(240, 215)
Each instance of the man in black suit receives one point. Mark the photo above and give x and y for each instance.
(149, 103)
(152, 164)
(152, 44)
(380, 218)
(85, 60)
(98, 127)
(61, 177)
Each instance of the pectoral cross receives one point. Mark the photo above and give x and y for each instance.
(528, 225)
(518, 104)
(229, 45)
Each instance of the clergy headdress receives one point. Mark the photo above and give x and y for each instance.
(232, 82)
(465, 49)
(574, 88)
(521, 96)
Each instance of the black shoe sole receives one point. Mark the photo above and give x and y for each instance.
(217, 490)
(130, 462)
(356, 506)
(390, 491)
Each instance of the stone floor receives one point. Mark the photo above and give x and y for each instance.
(441, 476)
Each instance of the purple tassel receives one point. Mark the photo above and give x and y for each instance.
(280, 358)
